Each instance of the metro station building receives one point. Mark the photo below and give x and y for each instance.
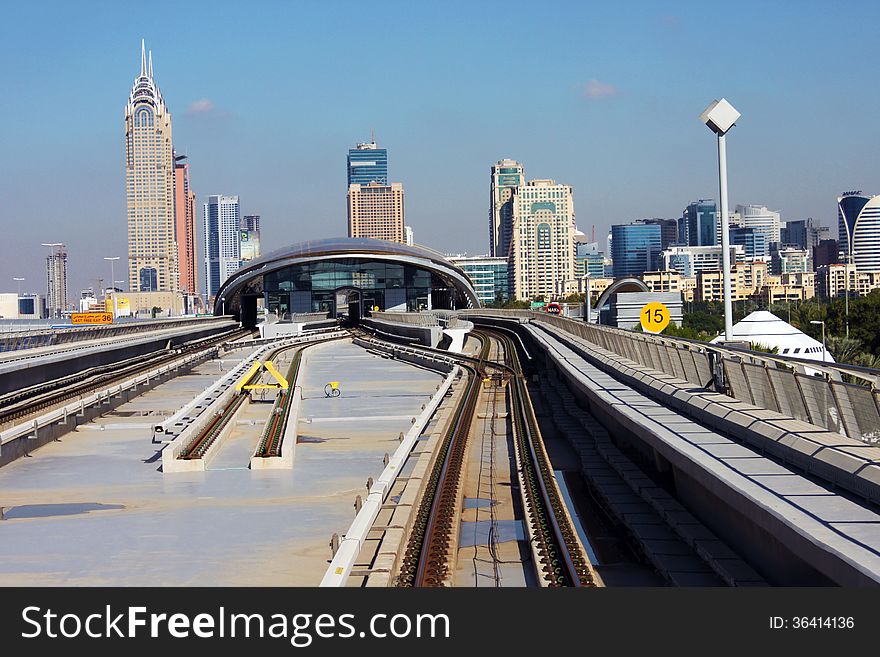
(358, 275)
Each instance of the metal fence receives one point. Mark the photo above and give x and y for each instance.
(810, 391)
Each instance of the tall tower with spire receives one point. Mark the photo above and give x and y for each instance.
(149, 184)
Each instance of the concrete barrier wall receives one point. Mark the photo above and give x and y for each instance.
(23, 439)
(33, 371)
(428, 336)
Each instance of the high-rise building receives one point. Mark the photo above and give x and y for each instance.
(185, 226)
(762, 220)
(691, 260)
(668, 230)
(588, 259)
(752, 240)
(249, 237)
(409, 238)
(222, 241)
(634, 248)
(697, 224)
(488, 275)
(859, 230)
(56, 280)
(803, 233)
(149, 180)
(789, 260)
(825, 253)
(507, 175)
(542, 239)
(376, 210)
(367, 163)
(250, 222)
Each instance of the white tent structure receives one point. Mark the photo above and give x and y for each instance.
(766, 329)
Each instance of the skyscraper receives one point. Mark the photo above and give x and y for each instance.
(222, 245)
(697, 224)
(859, 230)
(762, 220)
(752, 241)
(634, 248)
(185, 226)
(367, 163)
(149, 177)
(56, 280)
(249, 237)
(250, 222)
(542, 239)
(803, 233)
(507, 175)
(376, 210)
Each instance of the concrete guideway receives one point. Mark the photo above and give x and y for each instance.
(731, 486)
(14, 442)
(205, 410)
(20, 369)
(124, 523)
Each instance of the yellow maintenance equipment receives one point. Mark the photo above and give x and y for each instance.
(245, 383)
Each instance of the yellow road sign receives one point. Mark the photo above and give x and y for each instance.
(654, 317)
(91, 318)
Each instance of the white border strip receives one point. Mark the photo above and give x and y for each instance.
(350, 546)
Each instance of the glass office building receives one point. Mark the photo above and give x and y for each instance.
(367, 163)
(634, 248)
(753, 241)
(487, 274)
(697, 224)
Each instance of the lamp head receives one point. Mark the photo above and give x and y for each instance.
(720, 116)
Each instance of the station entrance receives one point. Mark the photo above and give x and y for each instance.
(348, 304)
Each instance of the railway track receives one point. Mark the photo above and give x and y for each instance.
(270, 442)
(559, 555)
(23, 403)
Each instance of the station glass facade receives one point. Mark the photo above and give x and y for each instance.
(312, 286)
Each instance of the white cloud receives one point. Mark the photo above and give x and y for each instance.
(201, 106)
(595, 90)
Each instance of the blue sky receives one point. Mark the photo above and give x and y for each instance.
(266, 97)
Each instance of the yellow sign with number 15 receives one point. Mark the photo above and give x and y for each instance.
(654, 317)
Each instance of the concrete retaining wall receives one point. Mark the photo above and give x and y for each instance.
(428, 336)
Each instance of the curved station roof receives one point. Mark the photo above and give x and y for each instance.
(344, 248)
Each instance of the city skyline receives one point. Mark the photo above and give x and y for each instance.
(630, 146)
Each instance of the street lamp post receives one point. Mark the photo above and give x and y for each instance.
(222, 305)
(720, 117)
(113, 283)
(824, 349)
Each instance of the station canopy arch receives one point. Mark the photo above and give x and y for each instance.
(305, 277)
(628, 284)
